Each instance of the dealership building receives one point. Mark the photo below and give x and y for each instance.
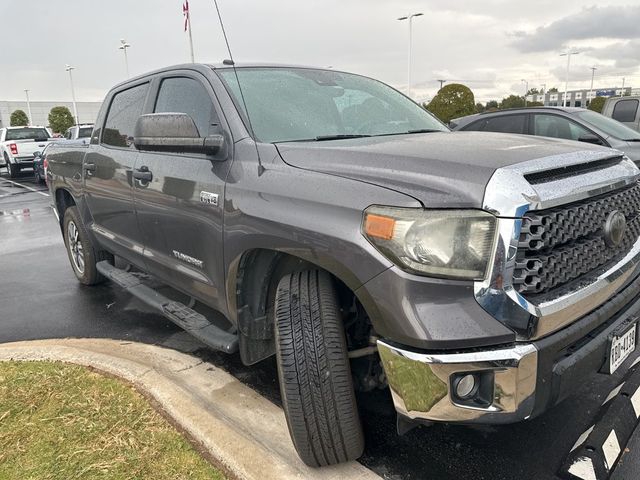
(87, 111)
(580, 98)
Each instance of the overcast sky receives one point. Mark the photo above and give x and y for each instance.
(489, 45)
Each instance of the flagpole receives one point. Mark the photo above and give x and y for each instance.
(190, 36)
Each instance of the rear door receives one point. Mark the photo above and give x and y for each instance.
(180, 210)
(108, 168)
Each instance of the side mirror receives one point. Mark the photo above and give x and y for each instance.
(589, 138)
(37, 154)
(173, 132)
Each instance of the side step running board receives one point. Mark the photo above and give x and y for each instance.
(188, 319)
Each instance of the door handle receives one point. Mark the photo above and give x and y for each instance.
(143, 174)
(89, 167)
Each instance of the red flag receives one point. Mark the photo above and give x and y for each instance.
(185, 12)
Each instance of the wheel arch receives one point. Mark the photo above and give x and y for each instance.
(63, 200)
(252, 282)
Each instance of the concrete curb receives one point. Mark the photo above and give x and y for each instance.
(241, 430)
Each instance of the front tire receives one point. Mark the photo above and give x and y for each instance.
(315, 376)
(83, 253)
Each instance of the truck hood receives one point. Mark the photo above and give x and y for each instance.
(448, 169)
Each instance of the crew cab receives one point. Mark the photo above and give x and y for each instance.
(325, 218)
(18, 144)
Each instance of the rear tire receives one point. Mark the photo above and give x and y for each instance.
(83, 253)
(13, 170)
(315, 376)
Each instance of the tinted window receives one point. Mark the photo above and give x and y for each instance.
(608, 125)
(85, 132)
(501, 124)
(557, 127)
(625, 110)
(27, 134)
(288, 104)
(125, 109)
(186, 95)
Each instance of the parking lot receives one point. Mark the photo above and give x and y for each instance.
(40, 298)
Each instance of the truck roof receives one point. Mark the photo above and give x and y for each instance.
(218, 66)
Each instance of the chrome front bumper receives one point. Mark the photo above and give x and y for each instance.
(421, 384)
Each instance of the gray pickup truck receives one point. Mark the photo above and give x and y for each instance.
(325, 218)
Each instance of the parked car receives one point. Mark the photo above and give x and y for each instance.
(17, 145)
(334, 223)
(625, 110)
(558, 122)
(40, 165)
(79, 131)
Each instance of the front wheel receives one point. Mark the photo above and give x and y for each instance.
(315, 376)
(83, 253)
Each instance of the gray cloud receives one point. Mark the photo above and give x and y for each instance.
(614, 22)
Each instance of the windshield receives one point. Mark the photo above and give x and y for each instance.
(27, 134)
(289, 104)
(85, 132)
(609, 126)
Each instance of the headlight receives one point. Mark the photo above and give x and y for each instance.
(440, 243)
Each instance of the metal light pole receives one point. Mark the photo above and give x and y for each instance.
(568, 54)
(29, 107)
(123, 46)
(410, 18)
(593, 74)
(543, 92)
(442, 82)
(526, 90)
(69, 69)
(622, 91)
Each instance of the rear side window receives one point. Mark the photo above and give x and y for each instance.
(625, 110)
(85, 132)
(501, 124)
(125, 109)
(557, 127)
(186, 95)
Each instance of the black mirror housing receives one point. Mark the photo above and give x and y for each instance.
(591, 139)
(173, 132)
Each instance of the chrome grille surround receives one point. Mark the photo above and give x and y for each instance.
(510, 196)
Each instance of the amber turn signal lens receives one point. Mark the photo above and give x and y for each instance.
(379, 226)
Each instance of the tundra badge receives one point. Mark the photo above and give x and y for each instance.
(209, 198)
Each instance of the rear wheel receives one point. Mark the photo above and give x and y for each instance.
(83, 253)
(315, 377)
(11, 168)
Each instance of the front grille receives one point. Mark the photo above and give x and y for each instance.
(563, 245)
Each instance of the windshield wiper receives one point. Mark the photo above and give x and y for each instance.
(425, 130)
(631, 140)
(339, 136)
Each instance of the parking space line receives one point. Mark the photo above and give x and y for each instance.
(27, 187)
(583, 437)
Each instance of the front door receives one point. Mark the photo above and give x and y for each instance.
(180, 210)
(108, 176)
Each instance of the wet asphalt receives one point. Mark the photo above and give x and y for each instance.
(40, 298)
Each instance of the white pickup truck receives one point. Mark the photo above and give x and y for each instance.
(18, 144)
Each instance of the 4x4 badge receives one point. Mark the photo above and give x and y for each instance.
(209, 198)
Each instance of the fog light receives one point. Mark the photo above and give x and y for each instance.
(465, 386)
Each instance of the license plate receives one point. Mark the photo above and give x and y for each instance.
(621, 347)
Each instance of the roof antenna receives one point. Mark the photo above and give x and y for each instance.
(230, 62)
